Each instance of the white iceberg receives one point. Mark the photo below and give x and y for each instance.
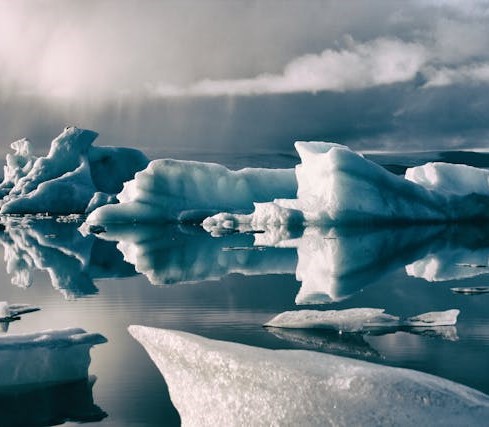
(338, 186)
(360, 319)
(215, 383)
(52, 356)
(175, 190)
(64, 181)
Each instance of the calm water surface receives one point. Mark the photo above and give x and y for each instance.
(226, 288)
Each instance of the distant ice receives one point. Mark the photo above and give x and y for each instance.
(66, 179)
(12, 312)
(222, 383)
(360, 319)
(52, 356)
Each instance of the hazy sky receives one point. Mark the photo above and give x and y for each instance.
(217, 74)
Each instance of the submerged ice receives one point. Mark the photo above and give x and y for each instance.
(222, 383)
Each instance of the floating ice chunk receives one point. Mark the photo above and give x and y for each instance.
(53, 356)
(65, 180)
(221, 383)
(359, 319)
(9, 312)
(175, 190)
(475, 290)
(100, 199)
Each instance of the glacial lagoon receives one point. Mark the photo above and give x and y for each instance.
(226, 287)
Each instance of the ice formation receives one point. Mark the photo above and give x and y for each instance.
(360, 319)
(64, 181)
(53, 356)
(221, 383)
(175, 190)
(71, 260)
(338, 186)
(10, 312)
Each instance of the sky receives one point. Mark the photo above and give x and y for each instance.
(244, 75)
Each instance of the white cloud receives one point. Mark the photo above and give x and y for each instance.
(470, 74)
(378, 62)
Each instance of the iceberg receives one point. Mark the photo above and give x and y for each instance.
(60, 356)
(188, 191)
(337, 186)
(360, 320)
(221, 383)
(68, 177)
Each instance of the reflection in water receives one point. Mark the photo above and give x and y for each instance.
(71, 260)
(175, 254)
(330, 263)
(461, 254)
(50, 405)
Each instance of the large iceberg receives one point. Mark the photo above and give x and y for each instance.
(68, 177)
(339, 186)
(188, 191)
(221, 383)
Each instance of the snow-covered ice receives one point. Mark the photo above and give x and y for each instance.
(52, 356)
(66, 179)
(360, 319)
(176, 190)
(222, 383)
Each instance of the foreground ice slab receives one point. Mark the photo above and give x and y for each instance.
(66, 179)
(53, 356)
(221, 383)
(360, 319)
(175, 190)
(338, 186)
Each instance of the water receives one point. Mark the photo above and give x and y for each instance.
(226, 288)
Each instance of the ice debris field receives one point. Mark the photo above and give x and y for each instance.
(332, 185)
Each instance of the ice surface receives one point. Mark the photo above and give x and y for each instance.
(359, 319)
(175, 190)
(221, 383)
(65, 180)
(52, 356)
(71, 260)
(338, 186)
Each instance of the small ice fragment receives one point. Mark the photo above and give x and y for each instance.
(474, 290)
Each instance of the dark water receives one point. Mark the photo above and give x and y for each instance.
(226, 288)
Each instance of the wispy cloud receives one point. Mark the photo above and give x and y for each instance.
(362, 65)
(470, 74)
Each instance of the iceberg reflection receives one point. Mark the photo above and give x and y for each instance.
(71, 260)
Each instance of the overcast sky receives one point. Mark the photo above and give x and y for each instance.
(260, 74)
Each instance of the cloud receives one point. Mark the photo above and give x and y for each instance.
(469, 74)
(378, 62)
